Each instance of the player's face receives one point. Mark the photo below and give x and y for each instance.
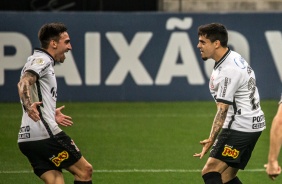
(63, 46)
(207, 48)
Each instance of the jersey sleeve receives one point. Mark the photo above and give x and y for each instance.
(228, 83)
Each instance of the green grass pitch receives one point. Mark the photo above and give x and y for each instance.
(133, 142)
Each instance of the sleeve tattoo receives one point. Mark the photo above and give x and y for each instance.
(218, 121)
(23, 88)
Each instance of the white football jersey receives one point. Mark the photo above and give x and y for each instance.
(44, 90)
(233, 82)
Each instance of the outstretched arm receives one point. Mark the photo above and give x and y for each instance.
(24, 84)
(272, 167)
(216, 127)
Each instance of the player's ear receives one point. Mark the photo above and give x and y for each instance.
(53, 44)
(217, 43)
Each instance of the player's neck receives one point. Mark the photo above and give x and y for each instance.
(220, 53)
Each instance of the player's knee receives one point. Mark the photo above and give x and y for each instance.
(84, 173)
(88, 170)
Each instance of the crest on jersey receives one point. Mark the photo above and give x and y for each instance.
(240, 62)
(38, 61)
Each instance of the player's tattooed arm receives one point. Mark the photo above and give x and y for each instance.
(218, 120)
(216, 127)
(23, 88)
(24, 84)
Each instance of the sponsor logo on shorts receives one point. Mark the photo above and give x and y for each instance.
(229, 152)
(60, 158)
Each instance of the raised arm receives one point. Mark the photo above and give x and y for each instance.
(24, 84)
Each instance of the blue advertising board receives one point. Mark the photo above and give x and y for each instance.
(139, 56)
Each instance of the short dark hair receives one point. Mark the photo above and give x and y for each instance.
(213, 32)
(50, 31)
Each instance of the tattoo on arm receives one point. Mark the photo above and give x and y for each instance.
(218, 121)
(23, 88)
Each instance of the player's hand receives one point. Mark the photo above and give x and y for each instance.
(207, 143)
(33, 112)
(273, 170)
(62, 119)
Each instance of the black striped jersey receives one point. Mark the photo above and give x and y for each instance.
(44, 90)
(233, 82)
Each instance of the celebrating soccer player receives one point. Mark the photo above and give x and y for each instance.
(47, 147)
(239, 120)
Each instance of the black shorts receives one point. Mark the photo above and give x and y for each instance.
(234, 147)
(54, 153)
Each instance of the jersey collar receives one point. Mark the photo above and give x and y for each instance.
(42, 50)
(216, 65)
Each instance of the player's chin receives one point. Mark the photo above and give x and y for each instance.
(62, 60)
(205, 58)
